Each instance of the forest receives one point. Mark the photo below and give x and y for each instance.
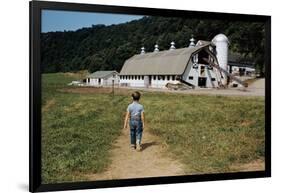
(102, 47)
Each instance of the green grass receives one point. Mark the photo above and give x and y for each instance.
(77, 131)
(207, 133)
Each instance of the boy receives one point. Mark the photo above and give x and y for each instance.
(135, 113)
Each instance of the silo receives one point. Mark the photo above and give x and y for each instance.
(221, 42)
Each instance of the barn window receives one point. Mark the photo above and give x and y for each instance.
(202, 71)
(202, 56)
(213, 79)
(168, 77)
(173, 77)
(154, 77)
(194, 59)
(190, 77)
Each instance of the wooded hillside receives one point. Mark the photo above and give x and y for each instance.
(103, 47)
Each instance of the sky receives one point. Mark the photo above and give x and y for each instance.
(53, 20)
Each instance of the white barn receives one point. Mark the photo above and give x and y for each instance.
(190, 65)
(103, 78)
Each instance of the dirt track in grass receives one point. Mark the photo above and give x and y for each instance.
(152, 161)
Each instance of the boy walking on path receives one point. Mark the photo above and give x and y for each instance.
(135, 115)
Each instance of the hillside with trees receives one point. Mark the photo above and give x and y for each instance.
(103, 47)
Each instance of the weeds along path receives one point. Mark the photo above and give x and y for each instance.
(154, 160)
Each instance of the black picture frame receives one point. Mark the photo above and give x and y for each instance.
(35, 184)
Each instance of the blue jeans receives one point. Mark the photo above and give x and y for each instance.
(135, 131)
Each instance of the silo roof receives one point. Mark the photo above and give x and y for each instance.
(168, 62)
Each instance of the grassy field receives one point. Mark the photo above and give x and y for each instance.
(209, 133)
(77, 130)
(206, 133)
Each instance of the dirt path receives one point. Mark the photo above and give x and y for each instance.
(152, 161)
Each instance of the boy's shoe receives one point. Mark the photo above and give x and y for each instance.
(133, 146)
(138, 147)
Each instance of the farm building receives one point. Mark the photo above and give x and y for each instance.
(102, 78)
(204, 64)
(240, 66)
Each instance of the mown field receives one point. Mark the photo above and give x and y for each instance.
(208, 134)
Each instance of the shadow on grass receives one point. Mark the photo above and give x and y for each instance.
(147, 145)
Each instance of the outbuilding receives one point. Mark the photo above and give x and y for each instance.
(241, 66)
(103, 78)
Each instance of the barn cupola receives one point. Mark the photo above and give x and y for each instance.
(142, 50)
(172, 46)
(192, 42)
(156, 48)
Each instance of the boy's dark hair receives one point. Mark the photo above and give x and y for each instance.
(136, 96)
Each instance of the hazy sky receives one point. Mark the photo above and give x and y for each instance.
(72, 20)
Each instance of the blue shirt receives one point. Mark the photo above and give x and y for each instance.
(135, 109)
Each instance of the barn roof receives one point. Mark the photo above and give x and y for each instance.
(101, 74)
(166, 62)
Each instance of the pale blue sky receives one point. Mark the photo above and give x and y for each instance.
(53, 20)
